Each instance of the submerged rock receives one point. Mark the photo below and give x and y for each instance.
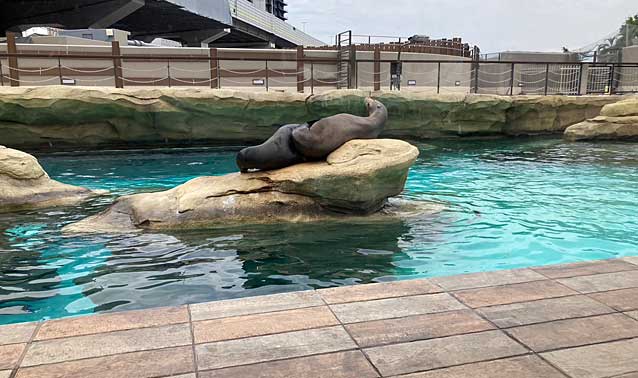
(25, 185)
(617, 121)
(356, 179)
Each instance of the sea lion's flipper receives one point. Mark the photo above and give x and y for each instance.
(276, 152)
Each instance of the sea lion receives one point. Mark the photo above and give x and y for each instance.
(318, 140)
(276, 152)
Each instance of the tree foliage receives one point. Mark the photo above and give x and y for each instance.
(627, 35)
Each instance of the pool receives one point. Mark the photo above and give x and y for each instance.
(508, 203)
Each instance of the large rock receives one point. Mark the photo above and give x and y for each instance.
(356, 179)
(618, 121)
(25, 185)
(71, 117)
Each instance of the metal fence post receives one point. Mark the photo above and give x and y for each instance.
(512, 80)
(580, 79)
(168, 71)
(1, 75)
(266, 75)
(312, 77)
(60, 70)
(476, 77)
(377, 69)
(117, 64)
(214, 67)
(546, 77)
(438, 78)
(300, 69)
(611, 79)
(14, 75)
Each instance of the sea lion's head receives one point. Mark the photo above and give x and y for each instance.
(243, 159)
(376, 107)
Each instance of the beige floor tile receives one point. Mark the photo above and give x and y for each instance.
(628, 375)
(350, 364)
(263, 324)
(118, 321)
(633, 314)
(514, 367)
(575, 332)
(584, 268)
(484, 279)
(523, 292)
(621, 300)
(631, 259)
(444, 352)
(255, 305)
(356, 293)
(395, 307)
(543, 310)
(16, 333)
(5, 373)
(602, 282)
(597, 361)
(145, 364)
(10, 355)
(272, 347)
(88, 346)
(418, 327)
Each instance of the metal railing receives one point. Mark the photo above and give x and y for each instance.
(311, 74)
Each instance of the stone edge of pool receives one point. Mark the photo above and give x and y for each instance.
(72, 118)
(550, 321)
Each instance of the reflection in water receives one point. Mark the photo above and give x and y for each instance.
(508, 204)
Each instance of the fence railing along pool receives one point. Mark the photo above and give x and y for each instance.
(316, 74)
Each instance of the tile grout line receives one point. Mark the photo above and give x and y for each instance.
(18, 364)
(190, 326)
(588, 344)
(278, 360)
(105, 355)
(538, 354)
(109, 332)
(511, 338)
(612, 312)
(250, 314)
(365, 355)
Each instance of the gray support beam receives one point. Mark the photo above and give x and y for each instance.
(118, 14)
(215, 37)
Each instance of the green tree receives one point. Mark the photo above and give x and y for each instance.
(611, 49)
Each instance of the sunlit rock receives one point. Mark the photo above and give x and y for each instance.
(25, 185)
(618, 121)
(355, 180)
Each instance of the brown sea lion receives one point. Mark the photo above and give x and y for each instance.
(276, 152)
(326, 135)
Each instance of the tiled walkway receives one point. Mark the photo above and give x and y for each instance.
(577, 320)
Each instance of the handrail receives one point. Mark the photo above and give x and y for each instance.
(306, 60)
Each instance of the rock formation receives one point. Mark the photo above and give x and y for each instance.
(25, 185)
(356, 179)
(618, 121)
(71, 117)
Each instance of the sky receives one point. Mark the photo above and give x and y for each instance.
(493, 25)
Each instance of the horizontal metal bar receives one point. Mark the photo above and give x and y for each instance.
(322, 60)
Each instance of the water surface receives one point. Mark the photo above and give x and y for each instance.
(509, 203)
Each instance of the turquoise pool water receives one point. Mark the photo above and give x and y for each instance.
(508, 204)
